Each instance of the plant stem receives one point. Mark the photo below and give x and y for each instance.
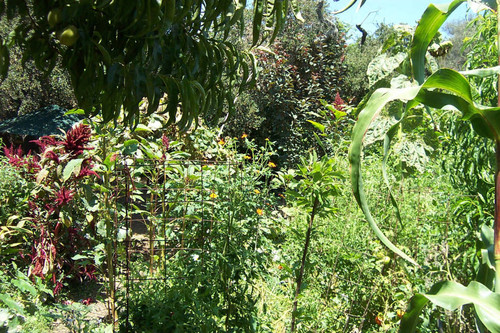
(496, 225)
(109, 242)
(303, 263)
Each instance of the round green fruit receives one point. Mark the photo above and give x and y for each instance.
(69, 36)
(386, 260)
(54, 17)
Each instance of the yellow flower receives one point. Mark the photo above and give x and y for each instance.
(256, 191)
(267, 139)
(213, 195)
(222, 142)
(260, 211)
(271, 165)
(246, 157)
(244, 135)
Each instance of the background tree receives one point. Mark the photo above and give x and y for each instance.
(26, 88)
(305, 64)
(457, 32)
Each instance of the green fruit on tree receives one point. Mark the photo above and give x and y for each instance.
(54, 17)
(69, 35)
(386, 260)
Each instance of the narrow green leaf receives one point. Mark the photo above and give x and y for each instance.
(361, 3)
(410, 319)
(296, 10)
(371, 110)
(4, 60)
(430, 22)
(257, 20)
(318, 126)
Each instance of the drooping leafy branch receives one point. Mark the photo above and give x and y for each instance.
(176, 53)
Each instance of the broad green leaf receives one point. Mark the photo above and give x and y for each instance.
(430, 22)
(11, 303)
(451, 295)
(142, 128)
(339, 114)
(24, 286)
(73, 167)
(384, 65)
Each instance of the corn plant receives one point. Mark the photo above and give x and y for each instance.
(444, 88)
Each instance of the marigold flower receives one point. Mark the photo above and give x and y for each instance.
(256, 191)
(271, 165)
(400, 313)
(213, 195)
(260, 211)
(280, 267)
(244, 135)
(222, 142)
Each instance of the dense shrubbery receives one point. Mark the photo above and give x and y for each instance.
(259, 227)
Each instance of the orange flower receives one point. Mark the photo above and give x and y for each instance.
(400, 313)
(280, 267)
(244, 135)
(260, 211)
(378, 321)
(271, 165)
(222, 142)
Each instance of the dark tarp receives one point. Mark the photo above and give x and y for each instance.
(45, 121)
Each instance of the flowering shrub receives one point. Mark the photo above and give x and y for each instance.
(55, 214)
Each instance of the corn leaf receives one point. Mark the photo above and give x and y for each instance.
(432, 19)
(451, 295)
(444, 88)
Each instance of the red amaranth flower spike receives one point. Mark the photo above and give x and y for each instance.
(51, 155)
(339, 103)
(45, 141)
(64, 196)
(86, 169)
(77, 139)
(14, 155)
